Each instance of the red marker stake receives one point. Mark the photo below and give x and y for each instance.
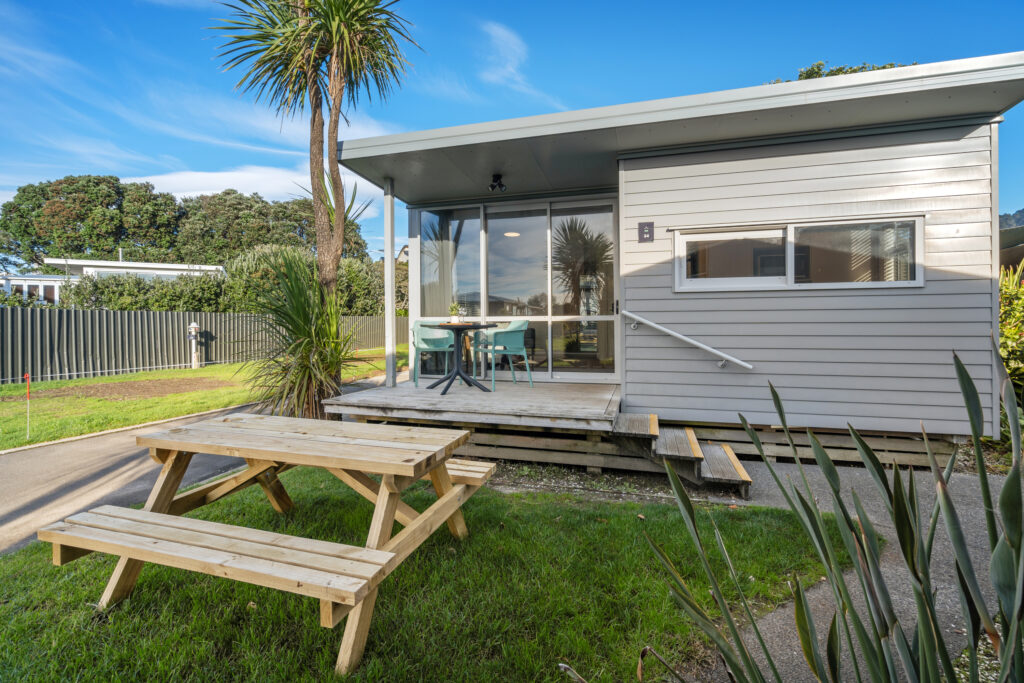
(28, 401)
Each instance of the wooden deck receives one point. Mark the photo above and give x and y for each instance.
(583, 407)
(580, 424)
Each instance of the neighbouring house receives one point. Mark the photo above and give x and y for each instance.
(837, 237)
(97, 268)
(47, 287)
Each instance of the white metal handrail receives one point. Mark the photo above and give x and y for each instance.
(692, 342)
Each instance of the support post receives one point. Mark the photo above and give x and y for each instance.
(390, 357)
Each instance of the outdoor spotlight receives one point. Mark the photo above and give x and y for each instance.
(496, 183)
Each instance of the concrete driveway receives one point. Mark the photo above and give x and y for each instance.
(47, 483)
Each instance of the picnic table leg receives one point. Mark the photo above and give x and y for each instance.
(358, 625)
(274, 489)
(160, 498)
(442, 482)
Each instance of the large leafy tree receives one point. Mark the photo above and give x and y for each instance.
(823, 70)
(312, 55)
(297, 216)
(150, 223)
(219, 226)
(88, 216)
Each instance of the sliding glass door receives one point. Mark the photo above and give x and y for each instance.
(551, 264)
(583, 289)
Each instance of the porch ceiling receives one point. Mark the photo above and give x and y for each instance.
(578, 150)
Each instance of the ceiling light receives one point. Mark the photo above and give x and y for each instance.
(511, 234)
(496, 183)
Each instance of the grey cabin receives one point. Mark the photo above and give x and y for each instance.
(837, 237)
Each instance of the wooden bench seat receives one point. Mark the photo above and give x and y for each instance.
(332, 572)
(469, 472)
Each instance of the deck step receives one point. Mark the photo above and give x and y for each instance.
(330, 571)
(678, 443)
(641, 425)
(721, 466)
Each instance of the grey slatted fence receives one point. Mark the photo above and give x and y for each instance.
(65, 344)
(368, 330)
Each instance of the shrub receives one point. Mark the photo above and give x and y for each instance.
(16, 300)
(307, 350)
(884, 644)
(134, 293)
(1011, 322)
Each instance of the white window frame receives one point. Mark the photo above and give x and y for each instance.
(753, 283)
(550, 373)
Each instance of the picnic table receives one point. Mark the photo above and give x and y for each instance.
(343, 577)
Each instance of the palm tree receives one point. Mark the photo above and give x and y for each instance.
(299, 53)
(578, 255)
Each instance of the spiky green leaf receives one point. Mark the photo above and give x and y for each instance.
(833, 651)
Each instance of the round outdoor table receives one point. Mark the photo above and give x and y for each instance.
(460, 330)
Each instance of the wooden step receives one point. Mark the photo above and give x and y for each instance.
(641, 425)
(721, 466)
(899, 449)
(329, 571)
(469, 472)
(678, 443)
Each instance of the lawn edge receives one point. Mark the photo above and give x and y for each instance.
(123, 429)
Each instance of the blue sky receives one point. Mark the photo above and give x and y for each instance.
(134, 87)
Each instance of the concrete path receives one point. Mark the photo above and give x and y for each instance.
(47, 483)
(778, 628)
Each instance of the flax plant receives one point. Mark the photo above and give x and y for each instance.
(884, 645)
(306, 350)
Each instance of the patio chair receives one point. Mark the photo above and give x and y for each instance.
(429, 340)
(506, 341)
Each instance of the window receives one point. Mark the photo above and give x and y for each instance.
(855, 252)
(583, 260)
(719, 260)
(840, 254)
(517, 255)
(549, 263)
(450, 261)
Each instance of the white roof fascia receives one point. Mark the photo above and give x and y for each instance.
(909, 79)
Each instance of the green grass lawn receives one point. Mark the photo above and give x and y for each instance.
(66, 408)
(542, 579)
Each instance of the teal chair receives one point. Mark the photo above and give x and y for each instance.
(505, 341)
(429, 340)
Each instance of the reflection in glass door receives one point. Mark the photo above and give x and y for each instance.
(555, 266)
(583, 287)
(551, 264)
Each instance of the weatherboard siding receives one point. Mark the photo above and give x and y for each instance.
(879, 358)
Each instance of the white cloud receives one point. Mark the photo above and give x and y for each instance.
(236, 124)
(6, 195)
(270, 182)
(446, 85)
(18, 60)
(101, 154)
(506, 55)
